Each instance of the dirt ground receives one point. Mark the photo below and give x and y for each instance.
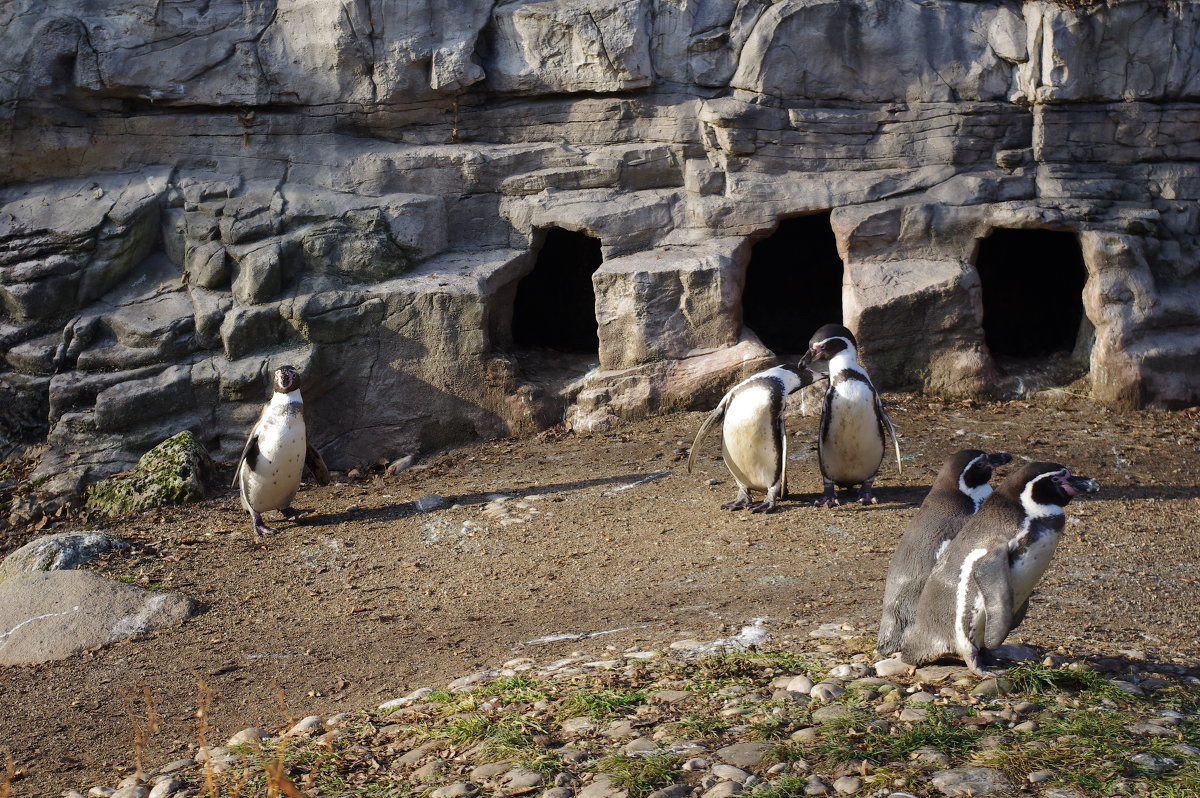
(603, 535)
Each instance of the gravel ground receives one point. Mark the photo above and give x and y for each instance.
(544, 547)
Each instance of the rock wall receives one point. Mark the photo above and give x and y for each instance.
(195, 193)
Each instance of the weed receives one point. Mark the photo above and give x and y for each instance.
(701, 725)
(845, 739)
(1034, 678)
(640, 775)
(601, 704)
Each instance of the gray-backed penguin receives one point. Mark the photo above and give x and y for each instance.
(854, 425)
(960, 487)
(269, 470)
(753, 438)
(979, 590)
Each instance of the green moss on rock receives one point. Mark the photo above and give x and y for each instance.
(174, 472)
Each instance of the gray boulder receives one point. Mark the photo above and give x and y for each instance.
(64, 551)
(53, 615)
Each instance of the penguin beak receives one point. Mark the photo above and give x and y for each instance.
(1073, 484)
(999, 459)
(1076, 484)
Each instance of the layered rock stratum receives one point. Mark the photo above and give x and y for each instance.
(196, 193)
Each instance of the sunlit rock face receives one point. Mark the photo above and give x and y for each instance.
(468, 219)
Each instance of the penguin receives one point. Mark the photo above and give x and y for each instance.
(960, 487)
(269, 470)
(979, 590)
(753, 438)
(854, 424)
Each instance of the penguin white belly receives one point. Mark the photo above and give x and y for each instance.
(748, 439)
(1025, 570)
(853, 446)
(276, 476)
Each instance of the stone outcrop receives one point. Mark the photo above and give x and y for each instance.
(196, 193)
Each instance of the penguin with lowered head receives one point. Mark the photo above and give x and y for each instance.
(854, 425)
(960, 487)
(979, 591)
(753, 437)
(276, 452)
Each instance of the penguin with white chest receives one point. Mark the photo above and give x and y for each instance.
(273, 460)
(960, 487)
(979, 591)
(753, 437)
(854, 425)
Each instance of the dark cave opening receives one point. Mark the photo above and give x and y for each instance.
(1032, 286)
(555, 304)
(793, 283)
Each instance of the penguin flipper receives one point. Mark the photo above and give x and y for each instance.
(713, 418)
(991, 580)
(312, 459)
(887, 422)
(248, 459)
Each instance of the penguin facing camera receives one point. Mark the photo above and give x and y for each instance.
(960, 487)
(276, 452)
(854, 425)
(753, 438)
(979, 591)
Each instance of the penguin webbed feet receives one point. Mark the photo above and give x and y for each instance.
(763, 507)
(982, 662)
(737, 504)
(260, 526)
(828, 498)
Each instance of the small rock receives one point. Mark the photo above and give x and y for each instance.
(814, 785)
(134, 791)
(397, 466)
(831, 712)
(1040, 776)
(640, 745)
(993, 686)
(558, 792)
(826, 691)
(931, 756)
(417, 754)
(408, 700)
(913, 714)
(673, 791)
(730, 773)
(251, 735)
(577, 727)
(971, 782)
(490, 770)
(747, 756)
(1154, 764)
(100, 792)
(1128, 687)
(694, 764)
(430, 770)
(306, 727)
(618, 730)
(850, 670)
(459, 789)
(166, 787)
(922, 697)
(892, 667)
(1183, 749)
(723, 790)
(848, 785)
(1150, 730)
(799, 684)
(431, 502)
(522, 780)
(807, 735)
(668, 697)
(1026, 726)
(602, 787)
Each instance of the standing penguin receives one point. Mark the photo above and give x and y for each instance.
(753, 438)
(959, 489)
(854, 424)
(269, 470)
(979, 590)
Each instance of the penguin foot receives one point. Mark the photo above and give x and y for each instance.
(827, 500)
(736, 504)
(291, 513)
(260, 527)
(866, 497)
(763, 507)
(977, 661)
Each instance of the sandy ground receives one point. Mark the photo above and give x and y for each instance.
(604, 538)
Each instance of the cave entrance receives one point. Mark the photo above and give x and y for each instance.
(554, 326)
(1031, 283)
(793, 284)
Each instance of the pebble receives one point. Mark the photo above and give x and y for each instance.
(850, 670)
(167, 786)
(831, 712)
(930, 756)
(408, 700)
(578, 727)
(799, 684)
(459, 789)
(431, 770)
(848, 785)
(490, 770)
(306, 727)
(674, 791)
(723, 790)
(1154, 764)
(893, 667)
(1040, 776)
(730, 773)
(814, 785)
(922, 697)
(913, 714)
(522, 780)
(601, 787)
(133, 791)
(971, 782)
(251, 735)
(747, 756)
(826, 691)
(640, 745)
(431, 502)
(558, 792)
(669, 697)
(694, 764)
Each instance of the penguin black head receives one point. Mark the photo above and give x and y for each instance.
(1049, 484)
(285, 379)
(977, 469)
(828, 341)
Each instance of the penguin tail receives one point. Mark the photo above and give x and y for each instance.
(315, 463)
(713, 418)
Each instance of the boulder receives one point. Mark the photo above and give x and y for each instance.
(174, 472)
(54, 615)
(59, 552)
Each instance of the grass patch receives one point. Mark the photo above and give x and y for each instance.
(1033, 678)
(600, 703)
(848, 739)
(640, 775)
(701, 724)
